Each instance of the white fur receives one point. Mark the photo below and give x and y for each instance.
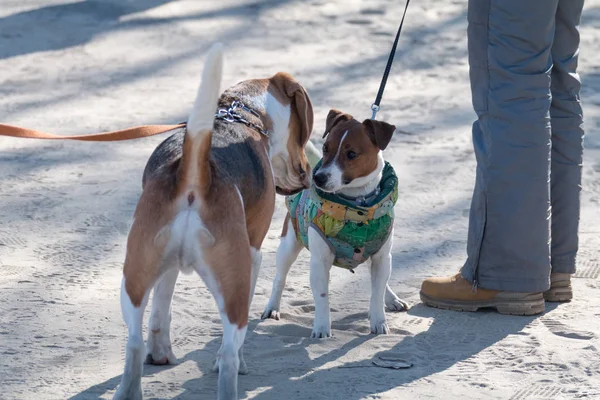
(202, 116)
(240, 196)
(334, 178)
(321, 260)
(228, 359)
(256, 256)
(392, 301)
(381, 268)
(131, 381)
(287, 252)
(158, 345)
(366, 184)
(187, 231)
(312, 153)
(333, 171)
(280, 117)
(283, 171)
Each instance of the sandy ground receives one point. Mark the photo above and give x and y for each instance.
(65, 208)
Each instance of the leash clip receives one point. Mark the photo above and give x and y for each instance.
(375, 108)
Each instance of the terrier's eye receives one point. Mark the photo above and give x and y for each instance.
(351, 155)
(325, 148)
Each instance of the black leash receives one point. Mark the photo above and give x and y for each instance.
(375, 106)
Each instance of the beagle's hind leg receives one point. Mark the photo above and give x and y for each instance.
(133, 314)
(158, 346)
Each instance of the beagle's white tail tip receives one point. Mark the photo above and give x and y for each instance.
(312, 153)
(203, 112)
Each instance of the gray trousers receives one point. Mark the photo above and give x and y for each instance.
(528, 142)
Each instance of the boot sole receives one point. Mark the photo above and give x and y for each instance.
(559, 292)
(530, 304)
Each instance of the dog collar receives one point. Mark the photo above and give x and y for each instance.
(230, 115)
(362, 201)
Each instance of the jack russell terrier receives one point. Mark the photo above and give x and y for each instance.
(207, 202)
(345, 218)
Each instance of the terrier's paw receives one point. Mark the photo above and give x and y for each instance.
(379, 327)
(321, 332)
(271, 312)
(395, 304)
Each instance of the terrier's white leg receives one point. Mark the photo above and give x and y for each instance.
(381, 268)
(287, 252)
(321, 260)
(256, 262)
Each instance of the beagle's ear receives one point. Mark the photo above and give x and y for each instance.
(304, 109)
(300, 103)
(333, 118)
(379, 132)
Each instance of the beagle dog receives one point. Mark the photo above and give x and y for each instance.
(207, 202)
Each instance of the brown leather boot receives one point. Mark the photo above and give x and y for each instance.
(560, 287)
(456, 293)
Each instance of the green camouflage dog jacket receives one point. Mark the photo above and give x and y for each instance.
(354, 229)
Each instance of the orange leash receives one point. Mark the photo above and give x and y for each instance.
(125, 134)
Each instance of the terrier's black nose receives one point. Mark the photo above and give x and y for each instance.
(320, 178)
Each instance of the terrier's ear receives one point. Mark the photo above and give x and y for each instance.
(379, 132)
(333, 118)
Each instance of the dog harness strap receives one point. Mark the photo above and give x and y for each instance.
(137, 132)
(229, 114)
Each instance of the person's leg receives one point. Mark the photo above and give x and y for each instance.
(509, 227)
(567, 148)
(567, 137)
(510, 56)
